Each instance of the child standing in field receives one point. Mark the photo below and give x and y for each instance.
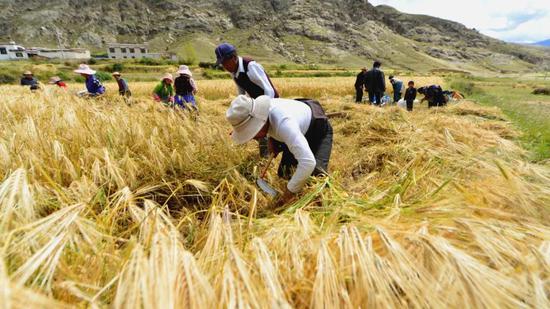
(410, 96)
(185, 88)
(94, 88)
(164, 92)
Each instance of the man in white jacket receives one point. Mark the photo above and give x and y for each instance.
(297, 128)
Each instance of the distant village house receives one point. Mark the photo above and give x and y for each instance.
(12, 51)
(49, 53)
(129, 51)
(134, 51)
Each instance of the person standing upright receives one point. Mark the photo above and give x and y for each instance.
(360, 85)
(249, 76)
(410, 96)
(375, 83)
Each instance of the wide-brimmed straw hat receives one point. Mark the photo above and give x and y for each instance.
(184, 70)
(116, 74)
(168, 76)
(55, 79)
(84, 69)
(27, 73)
(247, 116)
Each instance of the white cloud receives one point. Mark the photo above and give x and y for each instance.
(517, 21)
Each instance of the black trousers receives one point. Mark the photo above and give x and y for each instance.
(396, 97)
(375, 97)
(358, 94)
(410, 105)
(321, 148)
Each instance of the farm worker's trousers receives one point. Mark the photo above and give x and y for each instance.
(358, 94)
(376, 97)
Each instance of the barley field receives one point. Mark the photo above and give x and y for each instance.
(108, 205)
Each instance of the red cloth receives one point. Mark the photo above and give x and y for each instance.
(61, 84)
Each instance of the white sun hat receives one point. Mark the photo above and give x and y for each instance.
(184, 70)
(247, 116)
(84, 69)
(55, 79)
(168, 76)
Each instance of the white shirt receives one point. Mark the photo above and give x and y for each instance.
(257, 75)
(289, 121)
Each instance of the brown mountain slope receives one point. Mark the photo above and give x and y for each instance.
(345, 32)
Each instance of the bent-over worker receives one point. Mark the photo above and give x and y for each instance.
(297, 128)
(28, 79)
(94, 88)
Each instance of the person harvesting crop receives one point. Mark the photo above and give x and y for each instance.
(29, 80)
(123, 88)
(185, 88)
(94, 88)
(249, 76)
(434, 95)
(56, 80)
(297, 128)
(164, 91)
(397, 88)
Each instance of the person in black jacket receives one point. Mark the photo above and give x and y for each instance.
(28, 79)
(434, 95)
(410, 96)
(360, 85)
(375, 83)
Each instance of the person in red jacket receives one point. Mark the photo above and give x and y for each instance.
(56, 80)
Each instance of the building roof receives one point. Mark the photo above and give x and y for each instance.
(55, 50)
(128, 45)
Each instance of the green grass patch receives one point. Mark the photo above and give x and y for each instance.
(529, 112)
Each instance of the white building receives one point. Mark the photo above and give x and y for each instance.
(130, 51)
(11, 51)
(69, 53)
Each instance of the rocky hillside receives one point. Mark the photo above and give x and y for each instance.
(345, 32)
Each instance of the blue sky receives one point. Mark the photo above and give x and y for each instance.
(522, 21)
